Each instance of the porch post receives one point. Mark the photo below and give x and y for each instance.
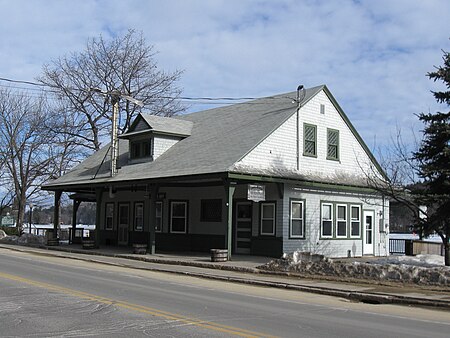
(98, 213)
(56, 213)
(76, 204)
(230, 188)
(151, 226)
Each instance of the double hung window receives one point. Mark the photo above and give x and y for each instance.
(309, 140)
(332, 144)
(341, 220)
(158, 224)
(327, 220)
(355, 221)
(178, 216)
(297, 224)
(267, 218)
(109, 216)
(138, 216)
(140, 149)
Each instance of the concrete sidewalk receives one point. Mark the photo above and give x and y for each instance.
(243, 269)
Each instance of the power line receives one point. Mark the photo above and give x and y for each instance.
(208, 100)
(23, 82)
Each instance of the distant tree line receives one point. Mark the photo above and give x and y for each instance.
(44, 215)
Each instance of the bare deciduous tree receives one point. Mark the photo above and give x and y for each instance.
(420, 179)
(125, 63)
(30, 152)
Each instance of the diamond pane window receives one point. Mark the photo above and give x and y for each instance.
(310, 140)
(333, 144)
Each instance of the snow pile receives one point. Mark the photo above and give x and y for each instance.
(31, 239)
(25, 239)
(381, 271)
(418, 260)
(9, 240)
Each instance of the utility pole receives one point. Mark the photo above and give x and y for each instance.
(115, 97)
(31, 217)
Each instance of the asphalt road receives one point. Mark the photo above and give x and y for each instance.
(44, 296)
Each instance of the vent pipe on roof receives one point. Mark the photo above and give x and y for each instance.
(300, 94)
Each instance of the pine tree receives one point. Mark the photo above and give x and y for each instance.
(433, 157)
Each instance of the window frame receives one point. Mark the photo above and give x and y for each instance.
(137, 227)
(322, 109)
(261, 214)
(352, 221)
(314, 127)
(140, 146)
(340, 220)
(203, 206)
(186, 203)
(109, 216)
(161, 216)
(329, 131)
(302, 218)
(322, 204)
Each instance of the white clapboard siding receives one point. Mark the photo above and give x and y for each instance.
(279, 149)
(163, 143)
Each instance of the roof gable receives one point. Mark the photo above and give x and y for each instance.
(145, 123)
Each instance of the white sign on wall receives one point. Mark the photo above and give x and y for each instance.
(256, 192)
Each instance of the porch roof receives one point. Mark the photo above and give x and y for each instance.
(220, 137)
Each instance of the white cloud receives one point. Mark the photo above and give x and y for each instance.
(373, 55)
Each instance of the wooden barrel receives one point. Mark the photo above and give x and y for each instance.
(88, 244)
(219, 255)
(52, 241)
(140, 249)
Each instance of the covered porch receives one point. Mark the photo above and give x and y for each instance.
(188, 214)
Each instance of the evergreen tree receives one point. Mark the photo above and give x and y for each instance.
(433, 157)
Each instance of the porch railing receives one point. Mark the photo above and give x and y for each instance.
(411, 247)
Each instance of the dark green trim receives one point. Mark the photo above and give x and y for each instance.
(303, 218)
(134, 216)
(305, 126)
(187, 217)
(336, 220)
(274, 219)
(229, 191)
(329, 131)
(119, 204)
(162, 215)
(299, 182)
(106, 182)
(348, 220)
(106, 209)
(332, 220)
(360, 219)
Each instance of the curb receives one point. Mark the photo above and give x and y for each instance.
(364, 297)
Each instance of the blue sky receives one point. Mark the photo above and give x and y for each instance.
(372, 55)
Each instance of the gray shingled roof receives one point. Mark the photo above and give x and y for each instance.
(220, 137)
(163, 125)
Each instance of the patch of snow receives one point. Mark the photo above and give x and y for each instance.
(420, 269)
(24, 239)
(431, 238)
(418, 260)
